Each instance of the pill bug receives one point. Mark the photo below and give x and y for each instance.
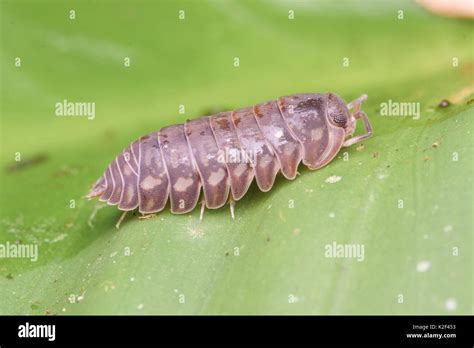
(222, 154)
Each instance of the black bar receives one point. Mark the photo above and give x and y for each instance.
(136, 330)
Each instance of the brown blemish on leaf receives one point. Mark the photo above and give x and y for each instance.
(296, 232)
(375, 155)
(65, 171)
(459, 96)
(26, 163)
(360, 147)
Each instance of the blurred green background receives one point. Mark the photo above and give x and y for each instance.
(271, 258)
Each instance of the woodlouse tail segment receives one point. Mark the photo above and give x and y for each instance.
(356, 114)
(98, 189)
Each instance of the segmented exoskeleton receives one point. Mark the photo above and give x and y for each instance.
(222, 153)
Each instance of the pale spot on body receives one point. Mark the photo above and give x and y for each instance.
(126, 170)
(148, 156)
(150, 182)
(216, 177)
(266, 160)
(149, 206)
(182, 184)
(316, 134)
(423, 266)
(240, 169)
(130, 194)
(289, 149)
(278, 134)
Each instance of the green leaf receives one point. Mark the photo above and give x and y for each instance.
(405, 195)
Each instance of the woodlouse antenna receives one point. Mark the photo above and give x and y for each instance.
(368, 129)
(355, 104)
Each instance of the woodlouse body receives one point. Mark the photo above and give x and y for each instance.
(179, 160)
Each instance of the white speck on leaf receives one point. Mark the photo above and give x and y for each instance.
(423, 266)
(451, 304)
(333, 179)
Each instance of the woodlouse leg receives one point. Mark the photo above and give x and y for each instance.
(117, 225)
(97, 207)
(203, 206)
(146, 216)
(232, 207)
(368, 128)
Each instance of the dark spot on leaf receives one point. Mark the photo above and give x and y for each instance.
(444, 103)
(27, 163)
(109, 134)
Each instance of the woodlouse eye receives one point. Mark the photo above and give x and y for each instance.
(340, 119)
(337, 111)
